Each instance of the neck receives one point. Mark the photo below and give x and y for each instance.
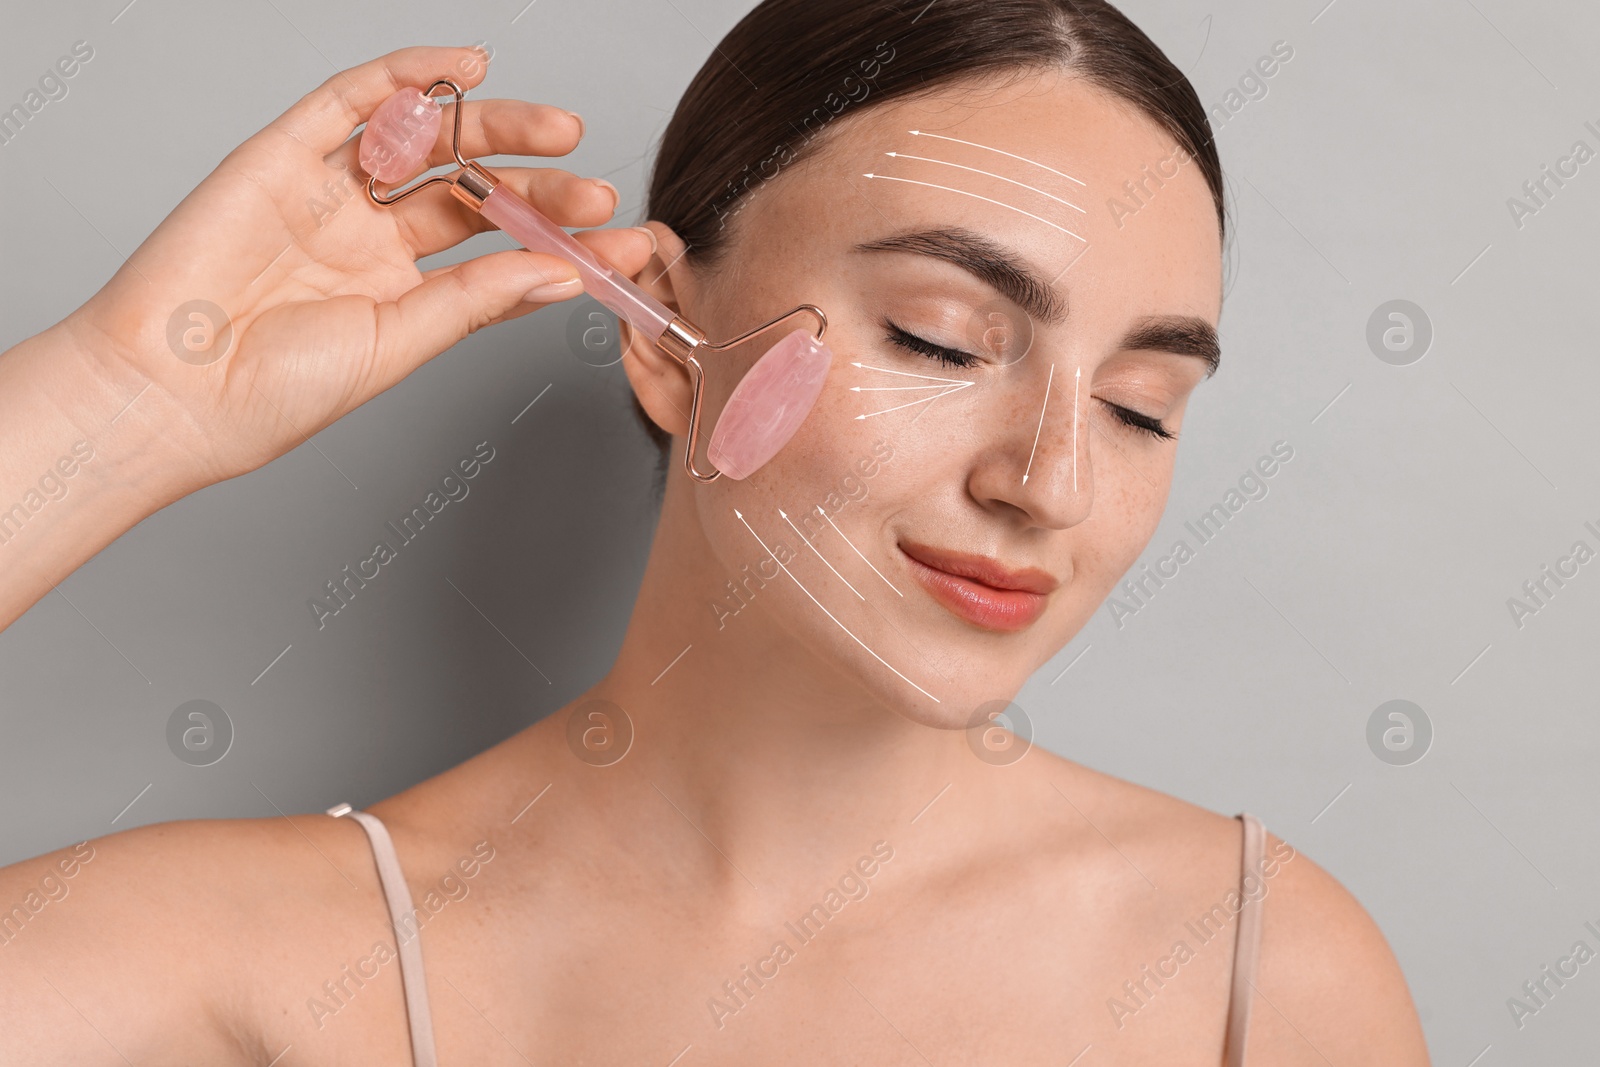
(780, 758)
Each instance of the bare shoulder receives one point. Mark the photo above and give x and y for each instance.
(129, 946)
(1191, 848)
(1329, 987)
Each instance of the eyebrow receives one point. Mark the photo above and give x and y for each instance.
(1007, 273)
(989, 261)
(1183, 335)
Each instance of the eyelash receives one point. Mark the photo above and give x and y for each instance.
(951, 357)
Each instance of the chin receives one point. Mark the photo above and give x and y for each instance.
(959, 681)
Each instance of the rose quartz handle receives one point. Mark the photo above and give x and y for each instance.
(523, 222)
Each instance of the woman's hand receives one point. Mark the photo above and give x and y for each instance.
(277, 297)
(274, 299)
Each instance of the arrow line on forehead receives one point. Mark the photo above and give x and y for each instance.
(1003, 152)
(963, 192)
(990, 174)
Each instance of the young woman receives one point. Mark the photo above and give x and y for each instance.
(784, 827)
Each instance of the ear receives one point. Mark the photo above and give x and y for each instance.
(660, 382)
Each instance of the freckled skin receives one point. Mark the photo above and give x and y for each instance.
(771, 751)
(956, 479)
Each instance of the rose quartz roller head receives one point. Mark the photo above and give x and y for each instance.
(765, 408)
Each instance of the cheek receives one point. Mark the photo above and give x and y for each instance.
(1126, 515)
(1127, 510)
(819, 468)
(822, 464)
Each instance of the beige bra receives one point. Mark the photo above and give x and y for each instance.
(1246, 954)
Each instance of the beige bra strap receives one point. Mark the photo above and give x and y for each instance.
(406, 938)
(1247, 947)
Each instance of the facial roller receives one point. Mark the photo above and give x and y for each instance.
(765, 408)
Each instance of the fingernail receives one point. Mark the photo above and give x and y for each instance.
(616, 198)
(648, 232)
(579, 117)
(553, 291)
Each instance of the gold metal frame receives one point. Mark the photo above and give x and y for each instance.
(674, 344)
(451, 180)
(682, 340)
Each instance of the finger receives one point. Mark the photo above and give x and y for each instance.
(491, 128)
(433, 220)
(324, 117)
(627, 250)
(448, 305)
(516, 311)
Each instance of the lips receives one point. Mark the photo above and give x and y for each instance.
(980, 590)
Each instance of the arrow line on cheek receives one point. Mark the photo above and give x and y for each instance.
(924, 400)
(892, 388)
(909, 374)
(1036, 433)
(856, 550)
(828, 613)
(807, 542)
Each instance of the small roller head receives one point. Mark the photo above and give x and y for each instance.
(400, 135)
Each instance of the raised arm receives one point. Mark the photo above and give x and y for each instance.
(273, 300)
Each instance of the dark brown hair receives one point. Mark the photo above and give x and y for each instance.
(773, 84)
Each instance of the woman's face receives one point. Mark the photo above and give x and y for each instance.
(1066, 254)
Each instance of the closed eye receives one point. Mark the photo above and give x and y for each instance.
(953, 357)
(950, 357)
(1140, 422)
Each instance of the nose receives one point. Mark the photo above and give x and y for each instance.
(1038, 462)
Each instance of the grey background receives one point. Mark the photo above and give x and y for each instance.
(1378, 567)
